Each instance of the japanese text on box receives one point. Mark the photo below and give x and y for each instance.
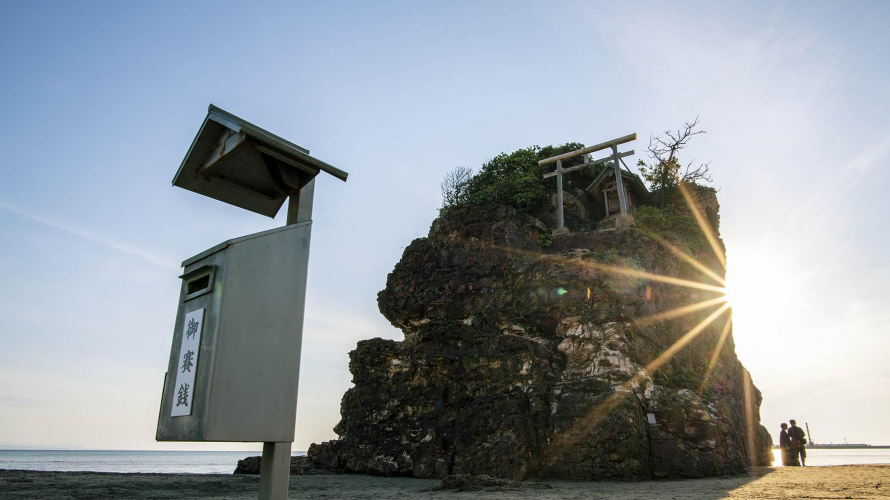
(188, 363)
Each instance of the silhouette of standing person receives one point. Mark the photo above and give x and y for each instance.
(798, 442)
(785, 447)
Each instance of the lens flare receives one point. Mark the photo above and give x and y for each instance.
(749, 418)
(686, 257)
(685, 339)
(679, 311)
(636, 273)
(713, 362)
(704, 225)
(581, 427)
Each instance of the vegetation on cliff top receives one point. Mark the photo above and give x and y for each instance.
(671, 220)
(513, 179)
(517, 180)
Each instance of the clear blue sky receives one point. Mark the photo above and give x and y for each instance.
(101, 100)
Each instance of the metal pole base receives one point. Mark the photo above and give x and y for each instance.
(275, 471)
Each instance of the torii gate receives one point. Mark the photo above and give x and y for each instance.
(615, 158)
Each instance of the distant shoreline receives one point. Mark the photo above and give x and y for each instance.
(845, 447)
(841, 447)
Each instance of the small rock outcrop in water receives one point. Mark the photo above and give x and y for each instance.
(528, 361)
(298, 466)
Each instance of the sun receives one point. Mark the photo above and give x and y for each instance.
(756, 284)
(727, 294)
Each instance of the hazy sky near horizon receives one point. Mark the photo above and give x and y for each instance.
(101, 100)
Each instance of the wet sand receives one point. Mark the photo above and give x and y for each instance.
(835, 482)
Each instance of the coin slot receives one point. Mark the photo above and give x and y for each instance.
(197, 285)
(198, 282)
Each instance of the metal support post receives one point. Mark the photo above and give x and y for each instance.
(275, 471)
(275, 465)
(299, 205)
(560, 220)
(619, 181)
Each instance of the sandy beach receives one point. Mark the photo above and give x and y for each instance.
(835, 482)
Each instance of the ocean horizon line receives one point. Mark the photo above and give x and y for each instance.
(22, 448)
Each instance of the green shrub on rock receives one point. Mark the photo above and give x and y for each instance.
(516, 179)
(545, 240)
(668, 220)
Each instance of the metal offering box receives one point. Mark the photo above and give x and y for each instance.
(235, 361)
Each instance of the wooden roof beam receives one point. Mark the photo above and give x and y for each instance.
(591, 164)
(589, 149)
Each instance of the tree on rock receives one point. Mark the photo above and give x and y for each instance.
(454, 187)
(663, 170)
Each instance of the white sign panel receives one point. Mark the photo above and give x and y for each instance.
(188, 363)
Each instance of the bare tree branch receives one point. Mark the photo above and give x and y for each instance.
(664, 170)
(702, 173)
(454, 186)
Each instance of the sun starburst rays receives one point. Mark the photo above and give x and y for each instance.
(704, 225)
(713, 362)
(636, 273)
(593, 418)
(632, 386)
(685, 339)
(581, 426)
(679, 311)
(687, 258)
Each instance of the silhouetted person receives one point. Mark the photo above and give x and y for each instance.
(798, 442)
(785, 446)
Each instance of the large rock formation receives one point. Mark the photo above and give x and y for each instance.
(529, 361)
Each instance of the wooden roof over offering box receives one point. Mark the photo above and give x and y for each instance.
(236, 162)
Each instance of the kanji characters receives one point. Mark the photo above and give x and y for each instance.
(187, 362)
(182, 397)
(192, 328)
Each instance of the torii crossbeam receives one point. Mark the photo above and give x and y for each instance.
(615, 158)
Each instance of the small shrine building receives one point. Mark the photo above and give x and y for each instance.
(604, 190)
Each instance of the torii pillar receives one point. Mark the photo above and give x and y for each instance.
(624, 219)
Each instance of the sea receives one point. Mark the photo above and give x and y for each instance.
(224, 462)
(169, 462)
(847, 456)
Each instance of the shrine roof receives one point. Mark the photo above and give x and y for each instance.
(635, 184)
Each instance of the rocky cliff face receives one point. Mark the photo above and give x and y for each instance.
(524, 361)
